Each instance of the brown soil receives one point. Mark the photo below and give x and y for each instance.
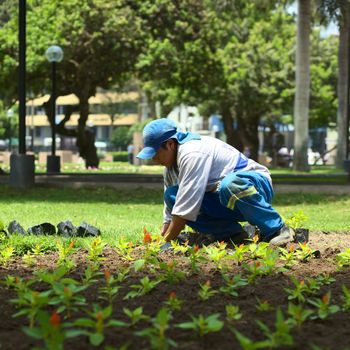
(331, 333)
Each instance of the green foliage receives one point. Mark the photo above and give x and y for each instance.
(120, 156)
(203, 325)
(121, 137)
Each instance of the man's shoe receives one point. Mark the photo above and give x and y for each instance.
(283, 236)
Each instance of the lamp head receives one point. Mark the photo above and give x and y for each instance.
(54, 54)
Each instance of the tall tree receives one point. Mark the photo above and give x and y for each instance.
(339, 11)
(101, 40)
(302, 85)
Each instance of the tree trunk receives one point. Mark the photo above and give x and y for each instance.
(302, 85)
(248, 130)
(86, 137)
(343, 76)
(227, 119)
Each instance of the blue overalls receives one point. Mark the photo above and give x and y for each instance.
(242, 196)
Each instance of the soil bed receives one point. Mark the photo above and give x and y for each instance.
(331, 333)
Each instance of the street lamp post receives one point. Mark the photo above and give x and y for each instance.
(9, 116)
(54, 54)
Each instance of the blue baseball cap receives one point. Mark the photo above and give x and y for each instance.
(154, 134)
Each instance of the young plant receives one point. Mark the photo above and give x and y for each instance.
(173, 303)
(90, 275)
(232, 313)
(206, 291)
(156, 334)
(65, 249)
(324, 307)
(6, 254)
(263, 305)
(343, 258)
(298, 314)
(124, 249)
(98, 320)
(288, 256)
(203, 325)
(178, 247)
(298, 293)
(256, 249)
(29, 259)
(281, 335)
(51, 330)
(217, 254)
(145, 286)
(346, 298)
(248, 344)
(30, 302)
(195, 256)
(136, 315)
(67, 296)
(95, 250)
(232, 284)
(110, 289)
(296, 220)
(169, 272)
(325, 279)
(305, 253)
(238, 253)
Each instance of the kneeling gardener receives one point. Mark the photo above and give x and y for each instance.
(211, 186)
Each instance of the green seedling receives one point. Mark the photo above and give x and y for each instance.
(169, 272)
(124, 249)
(232, 313)
(258, 268)
(232, 284)
(256, 249)
(203, 325)
(305, 253)
(91, 274)
(269, 261)
(296, 220)
(98, 320)
(156, 334)
(6, 254)
(30, 303)
(346, 298)
(65, 249)
(217, 254)
(281, 335)
(263, 305)
(145, 286)
(29, 259)
(67, 296)
(298, 314)
(180, 248)
(325, 279)
(343, 258)
(51, 277)
(95, 250)
(51, 330)
(195, 257)
(238, 253)
(288, 256)
(324, 307)
(173, 303)
(110, 289)
(298, 293)
(248, 344)
(136, 315)
(206, 291)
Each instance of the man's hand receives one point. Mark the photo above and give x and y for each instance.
(164, 228)
(176, 226)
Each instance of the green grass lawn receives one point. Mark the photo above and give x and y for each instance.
(124, 167)
(125, 212)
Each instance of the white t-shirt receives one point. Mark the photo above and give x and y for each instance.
(201, 165)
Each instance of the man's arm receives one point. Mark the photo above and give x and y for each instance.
(176, 226)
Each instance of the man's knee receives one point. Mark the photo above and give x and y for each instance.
(170, 196)
(234, 187)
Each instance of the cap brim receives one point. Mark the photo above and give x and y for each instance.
(147, 153)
